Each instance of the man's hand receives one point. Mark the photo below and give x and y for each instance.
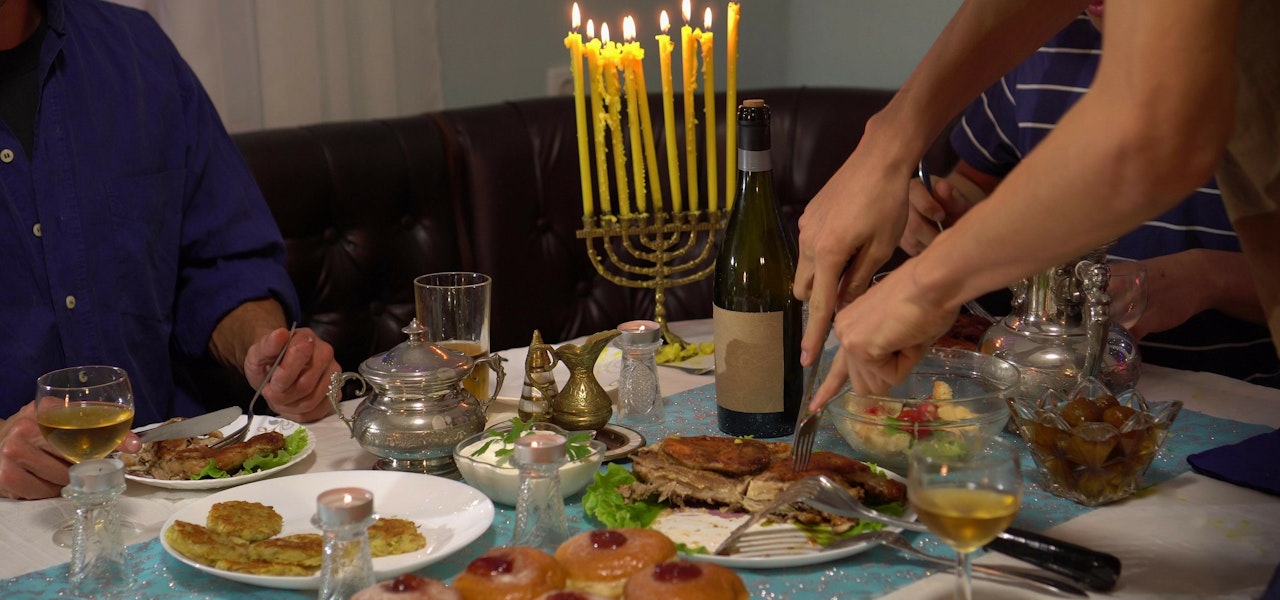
(847, 232)
(882, 335)
(929, 213)
(30, 468)
(1181, 284)
(298, 389)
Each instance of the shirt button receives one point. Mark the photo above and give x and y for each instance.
(6, 156)
(71, 301)
(36, 230)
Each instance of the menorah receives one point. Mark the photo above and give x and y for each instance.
(657, 252)
(649, 244)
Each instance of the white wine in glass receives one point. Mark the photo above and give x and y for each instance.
(966, 498)
(84, 413)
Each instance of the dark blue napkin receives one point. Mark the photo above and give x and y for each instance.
(1253, 463)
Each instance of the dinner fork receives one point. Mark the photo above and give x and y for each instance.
(972, 305)
(806, 424)
(238, 435)
(797, 491)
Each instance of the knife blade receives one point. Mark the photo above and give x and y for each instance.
(195, 426)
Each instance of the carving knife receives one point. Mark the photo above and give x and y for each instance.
(195, 426)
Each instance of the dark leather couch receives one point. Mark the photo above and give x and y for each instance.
(367, 206)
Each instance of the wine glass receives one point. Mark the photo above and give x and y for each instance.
(1128, 291)
(965, 495)
(84, 413)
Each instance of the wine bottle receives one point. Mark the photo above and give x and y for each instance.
(757, 321)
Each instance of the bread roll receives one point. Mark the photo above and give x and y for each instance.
(685, 580)
(600, 561)
(510, 573)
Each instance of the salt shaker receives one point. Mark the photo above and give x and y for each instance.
(639, 398)
(99, 562)
(539, 381)
(540, 517)
(344, 516)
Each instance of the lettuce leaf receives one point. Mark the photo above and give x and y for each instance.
(294, 443)
(603, 502)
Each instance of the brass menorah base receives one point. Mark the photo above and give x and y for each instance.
(658, 252)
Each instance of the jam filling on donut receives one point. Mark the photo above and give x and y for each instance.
(676, 571)
(490, 565)
(606, 539)
(406, 583)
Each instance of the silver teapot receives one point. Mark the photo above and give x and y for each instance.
(1060, 332)
(418, 410)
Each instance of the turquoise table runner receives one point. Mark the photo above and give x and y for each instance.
(866, 575)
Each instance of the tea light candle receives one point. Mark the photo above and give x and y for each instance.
(669, 113)
(344, 506)
(574, 42)
(707, 41)
(597, 119)
(630, 58)
(689, 66)
(731, 107)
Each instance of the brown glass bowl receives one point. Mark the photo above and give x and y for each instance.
(1093, 447)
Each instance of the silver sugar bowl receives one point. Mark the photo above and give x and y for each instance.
(1060, 332)
(418, 410)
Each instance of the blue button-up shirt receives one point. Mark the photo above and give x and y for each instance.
(135, 226)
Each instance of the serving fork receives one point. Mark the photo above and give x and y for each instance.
(806, 423)
(238, 435)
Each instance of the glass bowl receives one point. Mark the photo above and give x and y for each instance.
(953, 396)
(1094, 448)
(498, 479)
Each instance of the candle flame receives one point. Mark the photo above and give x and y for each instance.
(664, 22)
(706, 20)
(577, 17)
(604, 32)
(686, 9)
(628, 29)
(347, 499)
(591, 28)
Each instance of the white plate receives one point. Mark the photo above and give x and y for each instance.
(449, 513)
(708, 529)
(261, 424)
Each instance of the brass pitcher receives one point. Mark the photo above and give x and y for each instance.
(582, 403)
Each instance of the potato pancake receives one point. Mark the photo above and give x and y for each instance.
(395, 536)
(249, 521)
(203, 545)
(303, 549)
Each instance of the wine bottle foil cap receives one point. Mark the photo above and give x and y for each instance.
(344, 506)
(541, 447)
(98, 475)
(639, 332)
(753, 110)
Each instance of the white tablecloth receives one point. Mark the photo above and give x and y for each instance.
(1190, 537)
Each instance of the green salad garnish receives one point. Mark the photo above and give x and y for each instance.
(293, 444)
(577, 445)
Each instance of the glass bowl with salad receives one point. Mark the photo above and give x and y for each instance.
(952, 396)
(484, 459)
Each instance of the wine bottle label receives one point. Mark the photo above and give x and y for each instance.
(754, 161)
(749, 360)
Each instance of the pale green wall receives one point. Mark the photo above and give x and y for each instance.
(494, 50)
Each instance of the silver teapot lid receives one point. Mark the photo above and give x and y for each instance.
(416, 362)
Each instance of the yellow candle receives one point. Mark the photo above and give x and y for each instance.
(689, 70)
(731, 108)
(669, 114)
(629, 61)
(597, 117)
(707, 40)
(574, 42)
(610, 57)
(646, 128)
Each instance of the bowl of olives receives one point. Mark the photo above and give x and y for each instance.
(1092, 447)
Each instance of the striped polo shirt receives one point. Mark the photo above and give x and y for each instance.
(1013, 115)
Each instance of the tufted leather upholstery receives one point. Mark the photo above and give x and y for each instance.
(366, 206)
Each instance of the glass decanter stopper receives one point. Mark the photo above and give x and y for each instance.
(344, 516)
